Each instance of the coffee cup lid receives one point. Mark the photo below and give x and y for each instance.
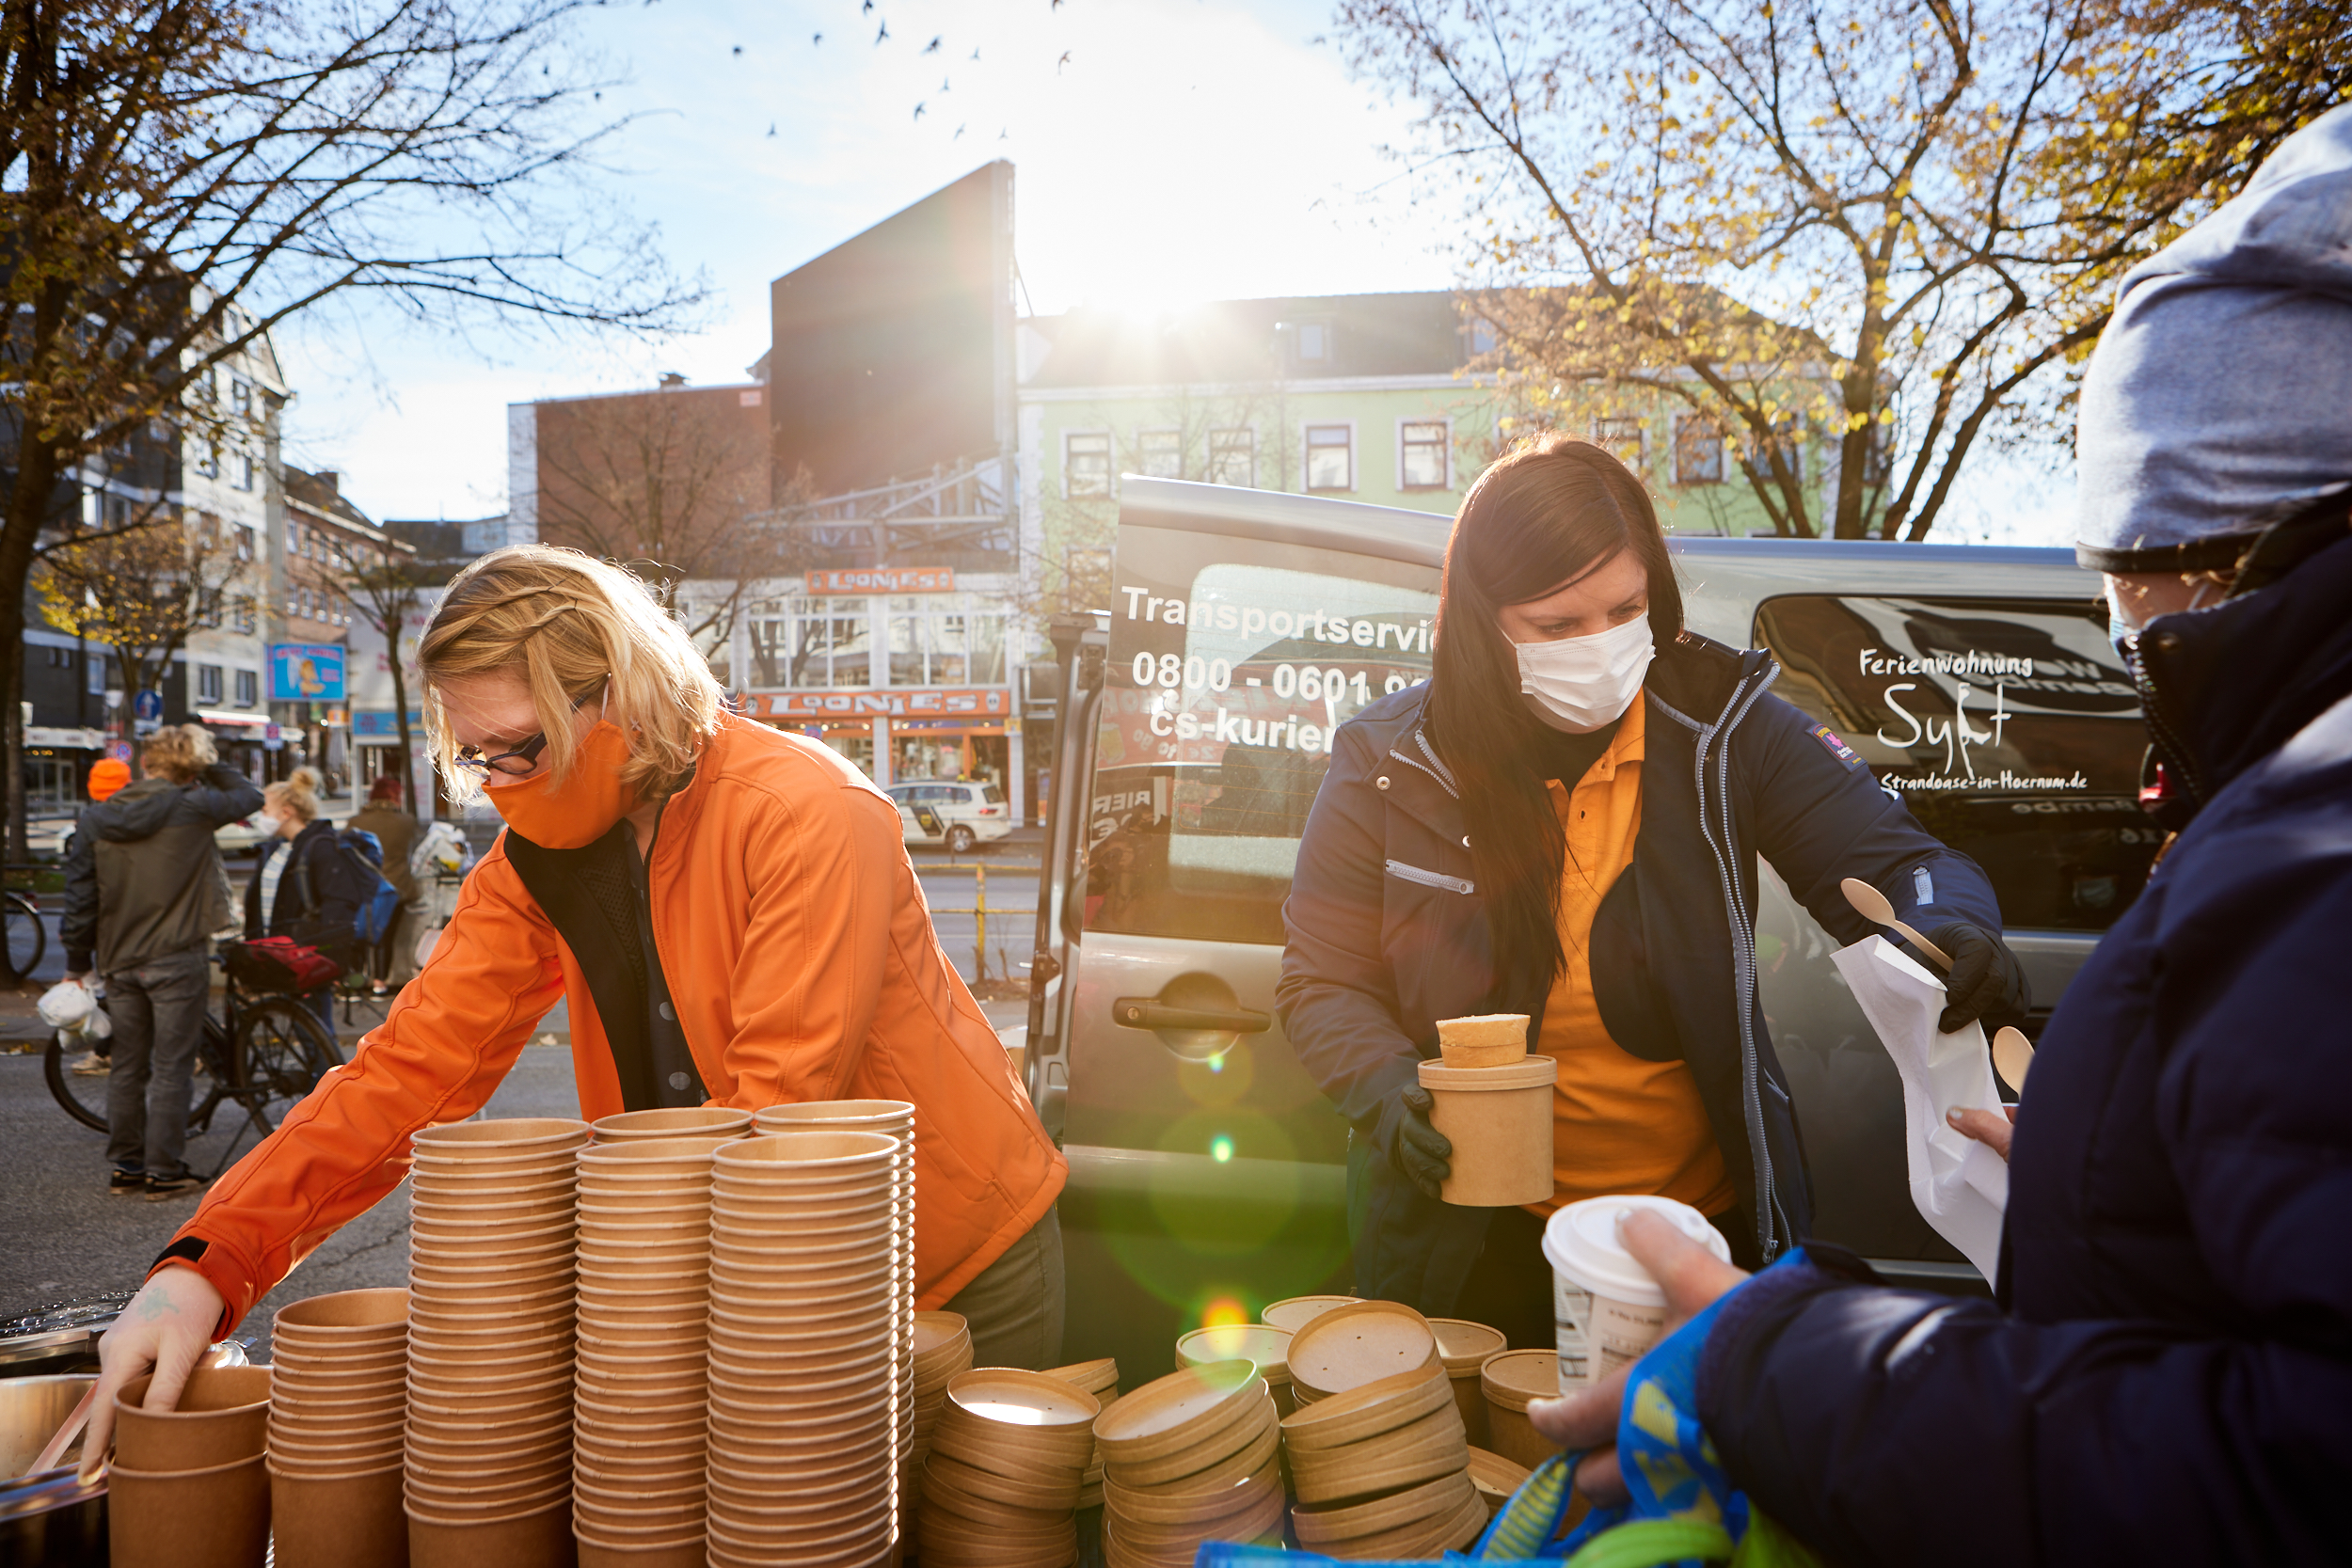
(1581, 1242)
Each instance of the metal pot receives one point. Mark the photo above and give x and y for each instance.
(55, 1519)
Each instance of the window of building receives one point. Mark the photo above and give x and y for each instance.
(208, 683)
(1698, 450)
(1160, 453)
(208, 460)
(1423, 447)
(799, 644)
(241, 613)
(245, 536)
(1330, 457)
(240, 396)
(1314, 342)
(93, 671)
(1233, 458)
(1085, 463)
(1621, 438)
(942, 640)
(248, 685)
(245, 471)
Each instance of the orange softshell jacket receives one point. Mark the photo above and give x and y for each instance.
(802, 962)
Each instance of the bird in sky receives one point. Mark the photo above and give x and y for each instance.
(817, 38)
(771, 127)
(919, 111)
(943, 84)
(976, 52)
(883, 33)
(738, 49)
(932, 47)
(867, 10)
(1065, 55)
(958, 135)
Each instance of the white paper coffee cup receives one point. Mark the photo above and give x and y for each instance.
(1615, 1307)
(1571, 1317)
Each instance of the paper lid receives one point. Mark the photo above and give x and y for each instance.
(1516, 1376)
(1297, 1312)
(1463, 1345)
(1268, 1347)
(1352, 1345)
(1581, 1242)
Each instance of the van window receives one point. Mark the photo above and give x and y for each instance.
(2008, 726)
(1227, 681)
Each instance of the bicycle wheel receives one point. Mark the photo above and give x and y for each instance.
(28, 937)
(282, 1052)
(82, 1095)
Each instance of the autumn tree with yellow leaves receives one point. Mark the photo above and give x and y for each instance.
(140, 586)
(1886, 231)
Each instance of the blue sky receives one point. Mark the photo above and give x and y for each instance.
(1186, 150)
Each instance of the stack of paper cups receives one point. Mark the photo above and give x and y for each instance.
(804, 1339)
(676, 1121)
(895, 1119)
(490, 1342)
(643, 1376)
(338, 1398)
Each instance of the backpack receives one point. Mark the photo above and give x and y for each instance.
(363, 856)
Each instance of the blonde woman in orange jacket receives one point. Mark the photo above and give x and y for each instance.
(729, 911)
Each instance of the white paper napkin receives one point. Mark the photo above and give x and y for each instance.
(1961, 1186)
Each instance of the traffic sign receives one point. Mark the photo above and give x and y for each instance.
(147, 705)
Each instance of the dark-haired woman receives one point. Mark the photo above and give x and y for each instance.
(1564, 821)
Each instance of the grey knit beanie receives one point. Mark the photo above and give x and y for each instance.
(2219, 398)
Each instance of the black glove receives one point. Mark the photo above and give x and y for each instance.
(1986, 982)
(1419, 1151)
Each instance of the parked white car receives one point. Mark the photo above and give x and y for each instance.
(956, 812)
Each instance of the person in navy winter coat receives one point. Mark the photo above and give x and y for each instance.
(2166, 1376)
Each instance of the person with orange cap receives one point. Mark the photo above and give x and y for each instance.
(106, 776)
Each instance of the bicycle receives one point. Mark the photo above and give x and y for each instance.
(28, 937)
(262, 1053)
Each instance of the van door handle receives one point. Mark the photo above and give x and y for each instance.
(1150, 1012)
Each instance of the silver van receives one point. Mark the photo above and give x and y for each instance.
(1207, 1171)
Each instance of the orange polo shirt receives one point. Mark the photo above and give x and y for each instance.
(1620, 1125)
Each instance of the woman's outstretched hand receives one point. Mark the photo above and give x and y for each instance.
(1586, 1418)
(167, 1326)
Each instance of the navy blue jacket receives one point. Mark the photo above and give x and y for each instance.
(2167, 1376)
(1388, 933)
(320, 909)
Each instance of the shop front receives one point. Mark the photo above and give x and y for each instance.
(895, 735)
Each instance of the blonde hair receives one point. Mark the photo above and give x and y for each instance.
(566, 625)
(299, 792)
(179, 752)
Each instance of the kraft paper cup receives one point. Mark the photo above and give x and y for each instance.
(344, 1317)
(222, 1417)
(497, 1137)
(344, 1521)
(1511, 1381)
(213, 1517)
(886, 1115)
(1601, 1291)
(1487, 1040)
(1499, 1120)
(606, 1553)
(1463, 1347)
(672, 1123)
(540, 1539)
(814, 1155)
(363, 1359)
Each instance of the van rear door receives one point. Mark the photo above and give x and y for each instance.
(1207, 1170)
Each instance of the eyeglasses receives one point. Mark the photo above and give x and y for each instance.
(523, 760)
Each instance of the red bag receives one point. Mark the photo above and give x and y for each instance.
(281, 964)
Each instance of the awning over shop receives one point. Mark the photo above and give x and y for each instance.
(232, 719)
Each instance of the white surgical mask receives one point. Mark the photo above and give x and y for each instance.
(1586, 682)
(267, 826)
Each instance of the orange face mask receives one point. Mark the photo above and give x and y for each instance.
(587, 805)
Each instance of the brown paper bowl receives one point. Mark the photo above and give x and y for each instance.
(861, 1114)
(606, 1444)
(290, 1361)
(540, 1539)
(325, 1420)
(497, 1137)
(672, 1123)
(1179, 1411)
(343, 1317)
(660, 1472)
(545, 1349)
(345, 1522)
(605, 1357)
(550, 1353)
(490, 1493)
(303, 1469)
(457, 1463)
(498, 1199)
(689, 1256)
(221, 1417)
(213, 1517)
(461, 1230)
(307, 1447)
(799, 1450)
(668, 1155)
(595, 1552)
(638, 1337)
(813, 1155)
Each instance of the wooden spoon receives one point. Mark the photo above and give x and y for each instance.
(2013, 1055)
(1871, 904)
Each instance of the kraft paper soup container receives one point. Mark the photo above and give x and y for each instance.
(1623, 1310)
(222, 1416)
(813, 1154)
(213, 1517)
(1490, 1040)
(1267, 1348)
(341, 1522)
(1408, 1455)
(1463, 1347)
(344, 1316)
(1293, 1313)
(837, 1113)
(359, 1358)
(1511, 1380)
(672, 1122)
(540, 1539)
(1499, 1119)
(610, 1554)
(494, 1136)
(1495, 1479)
